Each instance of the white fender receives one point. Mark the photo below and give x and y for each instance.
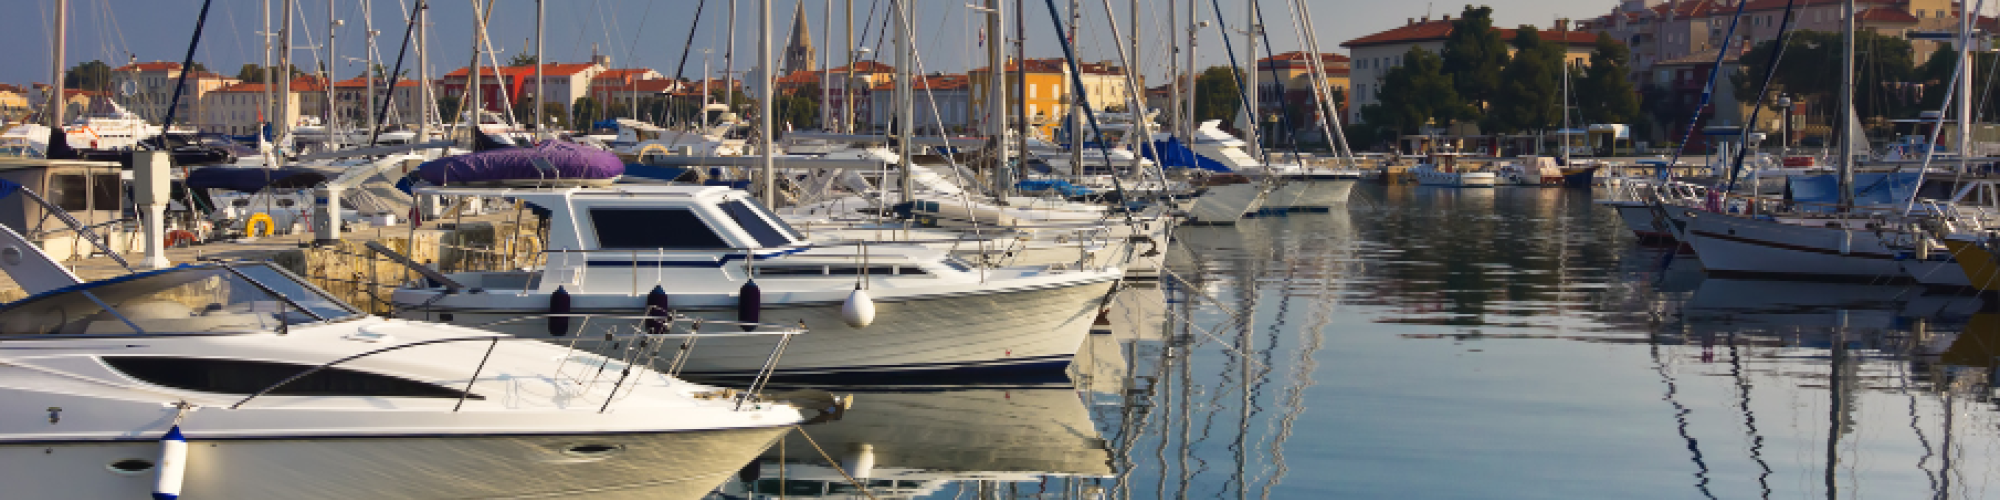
(860, 461)
(173, 465)
(859, 310)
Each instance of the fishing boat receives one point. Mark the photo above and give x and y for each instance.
(241, 380)
(712, 252)
(1444, 170)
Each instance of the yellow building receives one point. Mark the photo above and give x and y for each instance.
(1048, 91)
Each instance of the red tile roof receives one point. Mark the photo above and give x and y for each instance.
(150, 66)
(621, 74)
(551, 69)
(1428, 31)
(799, 78)
(654, 85)
(362, 83)
(932, 82)
(1056, 65)
(1885, 14)
(1324, 57)
(866, 67)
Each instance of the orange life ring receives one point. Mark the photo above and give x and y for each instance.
(180, 238)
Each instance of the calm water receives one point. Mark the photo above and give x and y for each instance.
(1434, 343)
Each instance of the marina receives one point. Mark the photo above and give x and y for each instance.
(1458, 259)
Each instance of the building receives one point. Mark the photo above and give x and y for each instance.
(510, 86)
(146, 89)
(1284, 82)
(799, 49)
(942, 104)
(1049, 90)
(1374, 55)
(76, 103)
(13, 103)
(351, 101)
(865, 76)
(1671, 30)
(239, 109)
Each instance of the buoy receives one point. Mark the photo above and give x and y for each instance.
(173, 465)
(559, 304)
(1846, 241)
(860, 461)
(749, 302)
(859, 310)
(656, 306)
(250, 226)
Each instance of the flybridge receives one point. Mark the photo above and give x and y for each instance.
(679, 218)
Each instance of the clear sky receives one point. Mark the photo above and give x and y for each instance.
(652, 33)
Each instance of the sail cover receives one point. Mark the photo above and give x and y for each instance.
(1888, 189)
(548, 161)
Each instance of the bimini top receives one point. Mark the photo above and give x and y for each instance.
(646, 217)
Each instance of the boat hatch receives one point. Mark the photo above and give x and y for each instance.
(250, 297)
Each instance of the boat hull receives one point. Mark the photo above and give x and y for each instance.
(1315, 194)
(1639, 217)
(1226, 204)
(1741, 246)
(1981, 271)
(683, 465)
(1027, 331)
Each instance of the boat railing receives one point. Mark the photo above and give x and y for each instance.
(647, 336)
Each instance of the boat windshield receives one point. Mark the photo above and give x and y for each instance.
(205, 299)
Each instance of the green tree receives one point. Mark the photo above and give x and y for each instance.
(1474, 56)
(253, 73)
(1604, 95)
(801, 108)
(1530, 90)
(198, 67)
(93, 75)
(1216, 96)
(521, 59)
(1810, 70)
(587, 110)
(1415, 94)
(447, 106)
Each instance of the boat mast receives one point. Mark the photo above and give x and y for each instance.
(905, 111)
(1021, 79)
(996, 101)
(1847, 105)
(847, 86)
(478, 94)
(268, 81)
(55, 100)
(826, 73)
(1075, 107)
(1252, 130)
(541, 84)
(368, 24)
(425, 101)
(283, 97)
(729, 64)
(1965, 87)
(331, 29)
(1173, 111)
(1194, 45)
(766, 176)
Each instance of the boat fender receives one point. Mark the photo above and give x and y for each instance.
(860, 461)
(656, 306)
(1923, 246)
(859, 310)
(173, 465)
(749, 303)
(1846, 241)
(559, 304)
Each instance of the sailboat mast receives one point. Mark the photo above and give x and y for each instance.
(283, 80)
(1075, 107)
(1252, 89)
(1965, 87)
(265, 33)
(1194, 45)
(1847, 104)
(425, 101)
(847, 85)
(332, 26)
(996, 100)
(1021, 79)
(766, 176)
(541, 83)
(368, 24)
(905, 114)
(55, 100)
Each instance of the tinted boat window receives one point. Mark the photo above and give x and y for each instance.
(747, 217)
(782, 226)
(207, 299)
(651, 228)
(237, 376)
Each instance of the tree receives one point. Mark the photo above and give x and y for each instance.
(521, 59)
(1474, 55)
(1216, 96)
(93, 76)
(1810, 70)
(1529, 97)
(251, 73)
(801, 108)
(1604, 95)
(198, 67)
(587, 110)
(447, 106)
(1415, 94)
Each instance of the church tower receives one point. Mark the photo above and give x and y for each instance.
(799, 50)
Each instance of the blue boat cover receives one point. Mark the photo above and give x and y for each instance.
(570, 161)
(1038, 186)
(253, 179)
(1177, 155)
(1869, 189)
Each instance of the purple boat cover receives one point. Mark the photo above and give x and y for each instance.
(571, 161)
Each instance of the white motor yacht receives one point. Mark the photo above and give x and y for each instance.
(1443, 170)
(713, 253)
(240, 380)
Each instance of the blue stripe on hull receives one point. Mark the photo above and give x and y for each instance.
(1039, 369)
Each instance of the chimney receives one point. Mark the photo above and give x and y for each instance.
(1562, 25)
(1409, 21)
(1447, 18)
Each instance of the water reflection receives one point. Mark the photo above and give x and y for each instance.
(1436, 343)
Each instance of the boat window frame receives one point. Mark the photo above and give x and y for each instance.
(597, 233)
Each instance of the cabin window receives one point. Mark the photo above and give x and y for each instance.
(653, 228)
(84, 192)
(768, 229)
(238, 376)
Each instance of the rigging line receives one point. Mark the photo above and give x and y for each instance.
(396, 74)
(1291, 129)
(1937, 127)
(1236, 70)
(1083, 102)
(187, 67)
(1707, 90)
(1784, 39)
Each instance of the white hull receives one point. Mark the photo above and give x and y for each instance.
(1018, 329)
(1638, 217)
(1937, 272)
(1740, 245)
(672, 465)
(1455, 179)
(1226, 204)
(1310, 194)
